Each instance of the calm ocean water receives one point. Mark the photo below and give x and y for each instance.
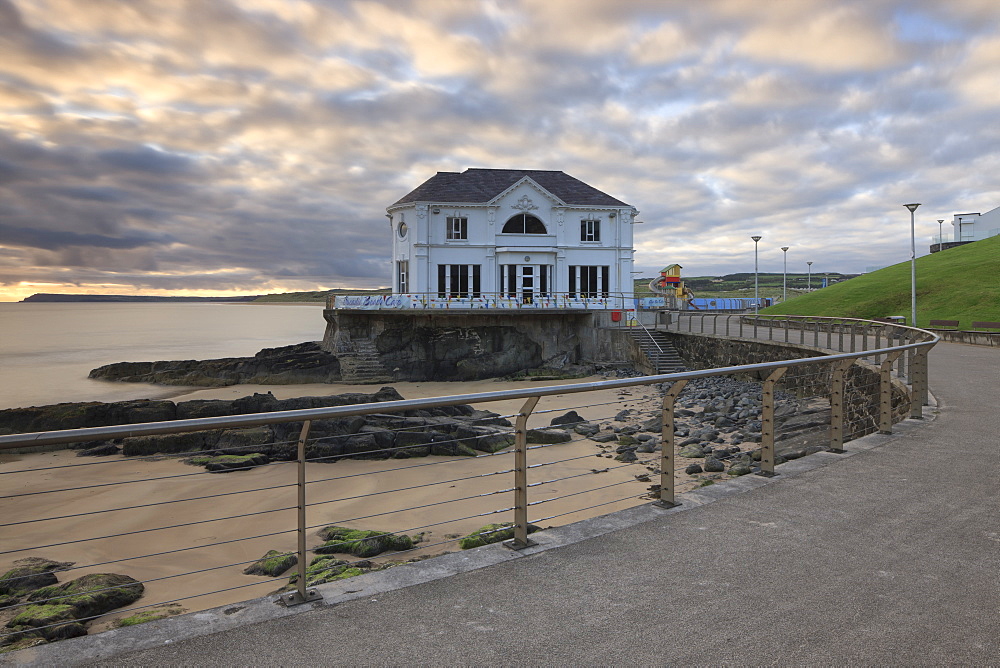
(47, 349)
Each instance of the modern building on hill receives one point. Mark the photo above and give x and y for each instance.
(530, 236)
(969, 227)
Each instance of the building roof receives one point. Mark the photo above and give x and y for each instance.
(478, 186)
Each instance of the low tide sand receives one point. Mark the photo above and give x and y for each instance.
(443, 497)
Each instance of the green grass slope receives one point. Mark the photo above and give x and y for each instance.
(960, 283)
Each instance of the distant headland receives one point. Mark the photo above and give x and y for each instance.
(313, 296)
(51, 297)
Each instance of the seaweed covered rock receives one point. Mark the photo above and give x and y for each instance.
(272, 564)
(93, 594)
(491, 533)
(51, 622)
(31, 573)
(360, 542)
(226, 463)
(325, 569)
(151, 615)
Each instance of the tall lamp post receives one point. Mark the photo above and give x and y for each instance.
(913, 266)
(784, 274)
(756, 290)
(809, 276)
(940, 235)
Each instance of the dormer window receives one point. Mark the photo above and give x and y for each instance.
(523, 223)
(590, 230)
(458, 229)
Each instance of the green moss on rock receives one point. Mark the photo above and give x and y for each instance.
(150, 615)
(272, 564)
(491, 533)
(360, 543)
(42, 615)
(225, 463)
(31, 573)
(93, 594)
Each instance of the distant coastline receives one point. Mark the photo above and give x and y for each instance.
(48, 297)
(318, 296)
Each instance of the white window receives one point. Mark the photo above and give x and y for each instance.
(458, 228)
(590, 230)
(459, 280)
(588, 281)
(402, 276)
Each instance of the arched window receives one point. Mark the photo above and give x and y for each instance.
(523, 223)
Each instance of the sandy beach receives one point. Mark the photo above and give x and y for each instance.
(357, 493)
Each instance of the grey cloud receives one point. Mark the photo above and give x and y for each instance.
(56, 239)
(149, 160)
(268, 172)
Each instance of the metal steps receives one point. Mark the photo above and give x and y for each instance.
(658, 350)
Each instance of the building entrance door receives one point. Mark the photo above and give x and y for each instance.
(525, 282)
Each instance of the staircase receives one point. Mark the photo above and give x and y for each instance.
(362, 365)
(658, 350)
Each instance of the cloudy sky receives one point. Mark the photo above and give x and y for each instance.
(249, 146)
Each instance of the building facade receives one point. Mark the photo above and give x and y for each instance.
(524, 235)
(976, 226)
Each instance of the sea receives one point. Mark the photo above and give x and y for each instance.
(47, 349)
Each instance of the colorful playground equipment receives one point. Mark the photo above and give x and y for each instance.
(669, 283)
(673, 294)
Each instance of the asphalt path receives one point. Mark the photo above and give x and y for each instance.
(889, 556)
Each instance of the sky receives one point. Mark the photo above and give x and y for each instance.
(222, 147)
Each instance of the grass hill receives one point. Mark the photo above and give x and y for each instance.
(960, 283)
(317, 295)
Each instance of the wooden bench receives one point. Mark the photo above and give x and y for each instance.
(944, 324)
(991, 327)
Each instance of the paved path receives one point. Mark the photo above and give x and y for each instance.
(891, 555)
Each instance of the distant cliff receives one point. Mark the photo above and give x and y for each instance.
(50, 297)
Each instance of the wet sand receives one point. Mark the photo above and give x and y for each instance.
(339, 493)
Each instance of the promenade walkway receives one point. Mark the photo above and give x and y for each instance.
(889, 555)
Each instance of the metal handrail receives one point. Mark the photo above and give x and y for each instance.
(257, 419)
(920, 341)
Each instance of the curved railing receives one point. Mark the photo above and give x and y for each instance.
(168, 523)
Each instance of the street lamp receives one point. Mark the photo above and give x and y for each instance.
(809, 276)
(940, 234)
(784, 274)
(756, 290)
(913, 266)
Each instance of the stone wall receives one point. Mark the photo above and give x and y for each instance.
(861, 385)
(464, 345)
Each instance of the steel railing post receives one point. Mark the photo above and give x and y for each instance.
(520, 539)
(301, 594)
(767, 424)
(667, 485)
(885, 392)
(901, 364)
(918, 387)
(837, 405)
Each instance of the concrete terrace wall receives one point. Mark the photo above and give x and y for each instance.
(466, 345)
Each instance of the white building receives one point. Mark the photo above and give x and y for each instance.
(527, 235)
(976, 226)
